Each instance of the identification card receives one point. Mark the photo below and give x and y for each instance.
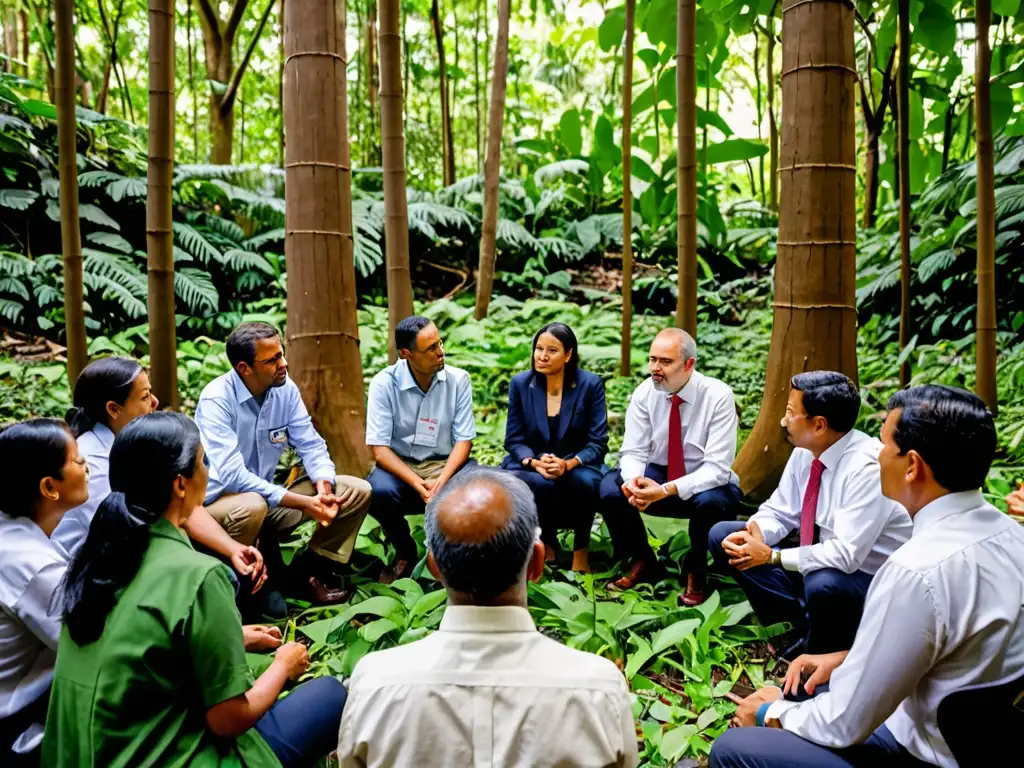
(426, 432)
(279, 435)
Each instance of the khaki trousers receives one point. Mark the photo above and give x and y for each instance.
(242, 515)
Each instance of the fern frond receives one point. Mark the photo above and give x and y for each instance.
(512, 235)
(194, 243)
(240, 261)
(16, 264)
(96, 215)
(560, 248)
(11, 309)
(131, 304)
(115, 268)
(225, 228)
(15, 286)
(270, 236)
(110, 240)
(552, 171)
(17, 199)
(425, 216)
(48, 294)
(195, 288)
(98, 178)
(127, 187)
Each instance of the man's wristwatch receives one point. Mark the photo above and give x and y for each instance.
(776, 557)
(667, 490)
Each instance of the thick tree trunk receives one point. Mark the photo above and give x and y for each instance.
(280, 86)
(396, 221)
(447, 142)
(815, 323)
(773, 123)
(492, 171)
(372, 80)
(627, 195)
(219, 65)
(159, 239)
(71, 235)
(904, 181)
(323, 333)
(478, 101)
(870, 179)
(686, 167)
(985, 329)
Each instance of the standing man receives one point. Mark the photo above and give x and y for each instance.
(487, 688)
(246, 418)
(945, 611)
(419, 423)
(830, 494)
(676, 461)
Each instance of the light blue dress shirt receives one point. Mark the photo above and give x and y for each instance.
(415, 424)
(94, 446)
(244, 440)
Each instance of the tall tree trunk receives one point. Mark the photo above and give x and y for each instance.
(773, 123)
(492, 171)
(372, 80)
(323, 332)
(10, 37)
(904, 169)
(111, 34)
(815, 322)
(686, 166)
(874, 126)
(985, 328)
(71, 235)
(627, 195)
(447, 143)
(871, 178)
(760, 114)
(23, 28)
(477, 100)
(192, 85)
(396, 221)
(280, 88)
(159, 239)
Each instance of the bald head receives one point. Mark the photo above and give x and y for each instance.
(480, 531)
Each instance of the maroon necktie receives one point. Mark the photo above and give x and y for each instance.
(809, 510)
(676, 463)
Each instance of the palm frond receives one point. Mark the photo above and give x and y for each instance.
(15, 286)
(115, 268)
(241, 261)
(127, 187)
(16, 264)
(18, 199)
(132, 305)
(512, 235)
(225, 228)
(552, 171)
(270, 236)
(110, 240)
(195, 288)
(48, 294)
(425, 216)
(560, 248)
(194, 243)
(11, 310)
(98, 178)
(96, 215)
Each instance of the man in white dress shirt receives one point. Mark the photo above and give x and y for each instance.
(945, 612)
(676, 461)
(486, 689)
(830, 496)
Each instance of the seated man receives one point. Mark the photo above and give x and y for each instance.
(945, 611)
(675, 461)
(246, 418)
(419, 423)
(487, 688)
(830, 494)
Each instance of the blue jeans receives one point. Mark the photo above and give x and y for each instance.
(303, 728)
(567, 502)
(823, 605)
(777, 748)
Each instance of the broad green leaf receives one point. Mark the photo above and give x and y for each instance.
(673, 634)
(317, 631)
(936, 29)
(96, 215)
(675, 741)
(714, 119)
(609, 34)
(375, 606)
(650, 57)
(639, 657)
(1002, 105)
(375, 630)
(571, 131)
(1006, 7)
(916, 116)
(708, 717)
(17, 199)
(40, 108)
(427, 603)
(736, 613)
(734, 150)
(110, 240)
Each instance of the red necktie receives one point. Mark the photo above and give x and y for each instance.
(676, 463)
(809, 510)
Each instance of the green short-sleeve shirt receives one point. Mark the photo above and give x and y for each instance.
(170, 649)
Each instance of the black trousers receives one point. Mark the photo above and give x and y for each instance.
(703, 510)
(824, 606)
(569, 501)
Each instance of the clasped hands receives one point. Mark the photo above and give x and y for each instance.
(324, 506)
(551, 467)
(746, 549)
(641, 492)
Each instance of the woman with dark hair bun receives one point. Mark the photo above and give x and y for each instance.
(110, 393)
(557, 436)
(151, 666)
(44, 477)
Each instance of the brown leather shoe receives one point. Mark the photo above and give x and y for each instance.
(401, 570)
(325, 595)
(640, 573)
(695, 592)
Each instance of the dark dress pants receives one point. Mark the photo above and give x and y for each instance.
(391, 501)
(777, 748)
(703, 510)
(302, 728)
(569, 501)
(824, 606)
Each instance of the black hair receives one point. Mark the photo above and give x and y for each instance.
(241, 344)
(564, 334)
(952, 431)
(146, 458)
(30, 451)
(408, 329)
(485, 569)
(100, 382)
(831, 395)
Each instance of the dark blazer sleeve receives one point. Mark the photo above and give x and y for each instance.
(516, 426)
(594, 451)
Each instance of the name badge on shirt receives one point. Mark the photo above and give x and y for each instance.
(279, 435)
(426, 432)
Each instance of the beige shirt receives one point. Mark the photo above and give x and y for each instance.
(487, 689)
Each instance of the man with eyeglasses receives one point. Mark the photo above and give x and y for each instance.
(419, 423)
(247, 418)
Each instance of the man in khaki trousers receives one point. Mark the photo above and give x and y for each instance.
(247, 418)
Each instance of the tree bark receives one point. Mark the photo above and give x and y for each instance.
(985, 328)
(159, 239)
(447, 142)
(492, 171)
(280, 87)
(192, 85)
(396, 221)
(773, 123)
(627, 194)
(111, 35)
(10, 37)
(323, 333)
(815, 322)
(23, 28)
(372, 80)
(71, 235)
(686, 167)
(904, 181)
(476, 79)
(874, 126)
(758, 105)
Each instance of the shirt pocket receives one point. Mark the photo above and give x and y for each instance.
(275, 439)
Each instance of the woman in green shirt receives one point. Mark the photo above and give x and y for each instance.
(151, 668)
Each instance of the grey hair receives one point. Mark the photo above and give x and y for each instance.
(687, 344)
(485, 569)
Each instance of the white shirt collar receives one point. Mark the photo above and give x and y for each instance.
(688, 394)
(944, 506)
(476, 618)
(831, 456)
(242, 392)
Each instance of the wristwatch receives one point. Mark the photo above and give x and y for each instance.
(776, 557)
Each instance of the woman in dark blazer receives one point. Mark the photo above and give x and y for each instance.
(557, 436)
